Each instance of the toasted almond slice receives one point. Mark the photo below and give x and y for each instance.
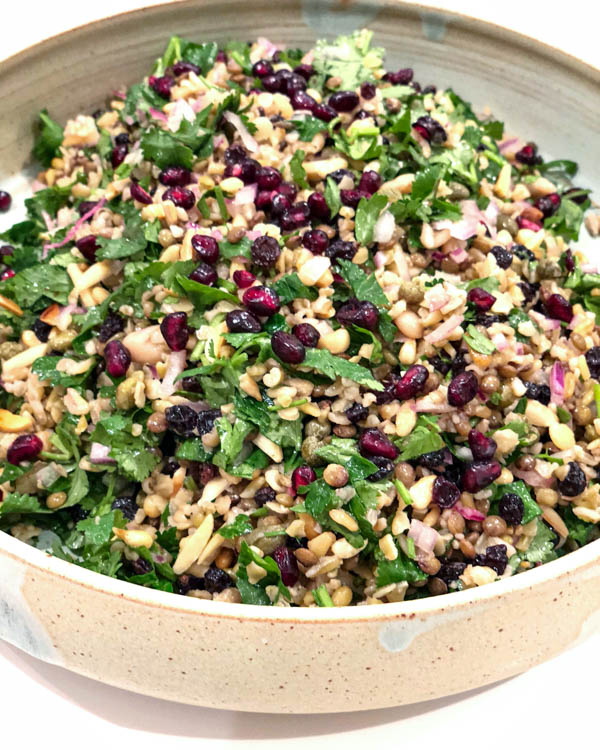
(24, 359)
(9, 305)
(10, 422)
(50, 315)
(193, 545)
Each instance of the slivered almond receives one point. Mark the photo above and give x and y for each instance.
(10, 422)
(50, 315)
(192, 546)
(269, 447)
(9, 305)
(24, 359)
(213, 489)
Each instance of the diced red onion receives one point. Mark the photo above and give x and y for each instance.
(157, 114)
(73, 231)
(436, 297)
(510, 145)
(557, 384)
(499, 341)
(424, 536)
(248, 141)
(470, 514)
(533, 478)
(180, 111)
(442, 332)
(99, 454)
(384, 227)
(175, 366)
(269, 47)
(459, 255)
(379, 259)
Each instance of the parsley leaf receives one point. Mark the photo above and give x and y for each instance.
(349, 58)
(332, 196)
(229, 250)
(289, 288)
(478, 341)
(332, 366)
(255, 593)
(297, 170)
(239, 527)
(367, 213)
(201, 294)
(163, 149)
(398, 570)
(14, 502)
(364, 286)
(48, 140)
(308, 127)
(423, 439)
(45, 369)
(320, 499)
(541, 547)
(32, 284)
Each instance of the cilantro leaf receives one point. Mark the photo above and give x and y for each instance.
(297, 170)
(229, 250)
(478, 341)
(364, 286)
(425, 181)
(239, 527)
(98, 530)
(163, 149)
(48, 139)
(289, 288)
(14, 502)
(45, 369)
(272, 577)
(541, 547)
(567, 220)
(398, 570)
(308, 127)
(201, 294)
(320, 499)
(423, 439)
(202, 55)
(488, 284)
(332, 366)
(32, 284)
(367, 213)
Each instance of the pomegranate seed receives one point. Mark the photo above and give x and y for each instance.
(180, 196)
(262, 68)
(271, 83)
(204, 274)
(482, 300)
(174, 329)
(375, 443)
(306, 334)
(175, 177)
(88, 246)
(370, 182)
(183, 67)
(162, 85)
(242, 321)
(261, 300)
(287, 564)
(463, 388)
(244, 279)
(268, 178)
(139, 194)
(324, 112)
(263, 200)
(482, 447)
(301, 100)
(528, 155)
(7, 274)
(411, 383)
(280, 204)
(569, 260)
(24, 448)
(318, 206)
(5, 201)
(400, 77)
(118, 155)
(288, 348)
(352, 197)
(558, 308)
(235, 154)
(548, 204)
(343, 101)
(360, 313)
(367, 90)
(315, 240)
(480, 474)
(445, 492)
(265, 251)
(304, 70)
(6, 250)
(206, 248)
(296, 216)
(301, 476)
(86, 206)
(289, 190)
(117, 359)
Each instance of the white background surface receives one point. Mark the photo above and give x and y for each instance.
(553, 705)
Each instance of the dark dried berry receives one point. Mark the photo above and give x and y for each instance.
(206, 248)
(265, 251)
(343, 101)
(440, 364)
(511, 508)
(389, 389)
(202, 472)
(372, 442)
(359, 313)
(88, 247)
(183, 67)
(41, 330)
(482, 300)
(367, 90)
(529, 291)
(318, 206)
(127, 505)
(528, 155)
(558, 308)
(206, 420)
(174, 329)
(463, 387)
(301, 100)
(480, 474)
(412, 382)
(306, 334)
(482, 447)
(569, 260)
(504, 257)
(301, 476)
(204, 274)
(370, 182)
(451, 571)
(342, 174)
(117, 358)
(271, 83)
(315, 240)
(304, 70)
(538, 392)
(523, 253)
(24, 448)
(216, 580)
(287, 347)
(261, 300)
(495, 558)
(6, 250)
(430, 129)
(548, 204)
(113, 324)
(122, 139)
(385, 467)
(436, 460)
(170, 468)
(85, 206)
(181, 419)
(399, 77)
(138, 567)
(162, 85)
(445, 493)
(574, 483)
(191, 384)
(242, 321)
(188, 582)
(287, 564)
(577, 195)
(235, 154)
(592, 357)
(264, 495)
(356, 412)
(244, 279)
(341, 250)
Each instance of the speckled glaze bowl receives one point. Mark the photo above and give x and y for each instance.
(301, 660)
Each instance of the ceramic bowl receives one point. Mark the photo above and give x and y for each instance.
(301, 660)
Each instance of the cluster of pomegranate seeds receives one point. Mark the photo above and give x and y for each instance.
(372, 442)
(24, 448)
(412, 382)
(482, 300)
(175, 331)
(117, 358)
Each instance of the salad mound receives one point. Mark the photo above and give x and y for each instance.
(283, 327)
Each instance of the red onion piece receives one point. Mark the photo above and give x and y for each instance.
(248, 141)
(533, 478)
(99, 454)
(424, 536)
(470, 514)
(557, 384)
(442, 332)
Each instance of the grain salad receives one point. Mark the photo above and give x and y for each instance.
(284, 327)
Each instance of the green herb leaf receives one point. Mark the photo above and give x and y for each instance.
(239, 527)
(367, 213)
(478, 341)
(29, 286)
(332, 196)
(297, 170)
(162, 148)
(308, 127)
(321, 596)
(364, 286)
(328, 364)
(398, 570)
(201, 294)
(289, 288)
(48, 139)
(423, 439)
(349, 59)
(541, 547)
(320, 499)
(45, 369)
(229, 250)
(531, 508)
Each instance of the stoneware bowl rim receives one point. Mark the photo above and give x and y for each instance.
(554, 570)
